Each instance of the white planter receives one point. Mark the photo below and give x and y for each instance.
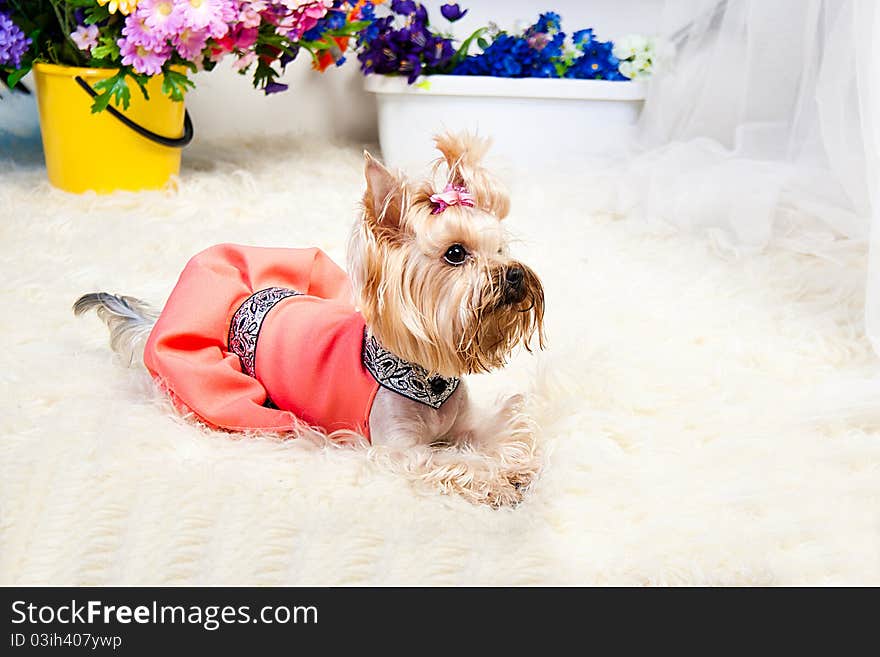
(534, 122)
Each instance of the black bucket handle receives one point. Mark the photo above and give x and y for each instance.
(172, 142)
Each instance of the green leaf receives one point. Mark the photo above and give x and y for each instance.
(141, 81)
(462, 52)
(97, 14)
(107, 48)
(16, 76)
(175, 84)
(113, 88)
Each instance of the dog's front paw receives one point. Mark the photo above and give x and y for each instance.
(521, 480)
(512, 486)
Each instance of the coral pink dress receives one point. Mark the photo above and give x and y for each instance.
(315, 363)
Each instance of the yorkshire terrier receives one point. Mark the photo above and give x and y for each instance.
(432, 294)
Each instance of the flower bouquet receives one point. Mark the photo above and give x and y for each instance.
(101, 51)
(403, 42)
(546, 95)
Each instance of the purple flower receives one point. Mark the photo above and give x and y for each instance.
(452, 12)
(437, 51)
(411, 50)
(412, 67)
(287, 57)
(85, 37)
(13, 42)
(403, 7)
(273, 87)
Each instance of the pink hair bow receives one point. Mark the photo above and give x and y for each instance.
(452, 195)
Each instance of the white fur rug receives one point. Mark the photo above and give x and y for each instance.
(704, 418)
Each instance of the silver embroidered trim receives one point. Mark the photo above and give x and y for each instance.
(407, 379)
(244, 330)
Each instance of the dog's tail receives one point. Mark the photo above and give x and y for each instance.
(130, 321)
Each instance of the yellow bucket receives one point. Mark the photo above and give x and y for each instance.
(113, 150)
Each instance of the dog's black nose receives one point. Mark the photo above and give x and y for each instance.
(514, 290)
(514, 276)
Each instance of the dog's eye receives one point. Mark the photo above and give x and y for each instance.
(455, 255)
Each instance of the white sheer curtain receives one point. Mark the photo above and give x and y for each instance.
(766, 128)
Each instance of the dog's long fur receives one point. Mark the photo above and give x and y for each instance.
(450, 318)
(130, 321)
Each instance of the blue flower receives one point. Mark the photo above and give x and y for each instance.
(546, 70)
(553, 49)
(314, 34)
(596, 63)
(371, 32)
(334, 20)
(472, 66)
(549, 22)
(582, 38)
(534, 54)
(452, 12)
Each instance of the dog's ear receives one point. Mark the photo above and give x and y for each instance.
(463, 154)
(383, 199)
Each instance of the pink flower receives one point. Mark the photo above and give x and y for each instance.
(295, 17)
(159, 16)
(244, 61)
(246, 37)
(190, 43)
(248, 16)
(137, 32)
(212, 16)
(143, 59)
(85, 37)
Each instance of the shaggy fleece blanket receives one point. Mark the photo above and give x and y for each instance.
(704, 418)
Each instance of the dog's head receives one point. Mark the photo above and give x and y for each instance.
(431, 268)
